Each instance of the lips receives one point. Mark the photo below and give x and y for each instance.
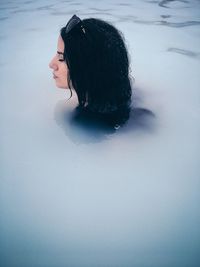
(54, 76)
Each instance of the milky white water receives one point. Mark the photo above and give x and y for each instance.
(74, 196)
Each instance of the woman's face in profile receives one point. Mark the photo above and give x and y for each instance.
(59, 66)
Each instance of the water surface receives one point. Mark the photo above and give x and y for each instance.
(72, 195)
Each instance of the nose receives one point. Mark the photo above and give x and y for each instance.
(52, 64)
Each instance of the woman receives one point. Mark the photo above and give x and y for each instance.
(92, 60)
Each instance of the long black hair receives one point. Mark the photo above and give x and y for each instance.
(98, 63)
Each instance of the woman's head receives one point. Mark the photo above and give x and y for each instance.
(96, 66)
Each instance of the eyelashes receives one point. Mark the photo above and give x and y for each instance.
(60, 56)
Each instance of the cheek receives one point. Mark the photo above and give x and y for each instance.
(62, 80)
(64, 72)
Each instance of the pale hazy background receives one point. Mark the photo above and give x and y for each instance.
(77, 197)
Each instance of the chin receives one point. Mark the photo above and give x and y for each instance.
(62, 86)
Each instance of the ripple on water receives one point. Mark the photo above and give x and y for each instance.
(47, 7)
(23, 10)
(165, 16)
(169, 24)
(101, 9)
(92, 13)
(66, 1)
(8, 8)
(127, 18)
(63, 13)
(124, 4)
(28, 2)
(4, 18)
(75, 4)
(164, 3)
(184, 52)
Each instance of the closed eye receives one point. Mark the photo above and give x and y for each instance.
(60, 56)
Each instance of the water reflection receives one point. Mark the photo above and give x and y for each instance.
(84, 129)
(79, 128)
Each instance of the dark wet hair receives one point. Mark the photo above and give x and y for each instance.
(98, 65)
